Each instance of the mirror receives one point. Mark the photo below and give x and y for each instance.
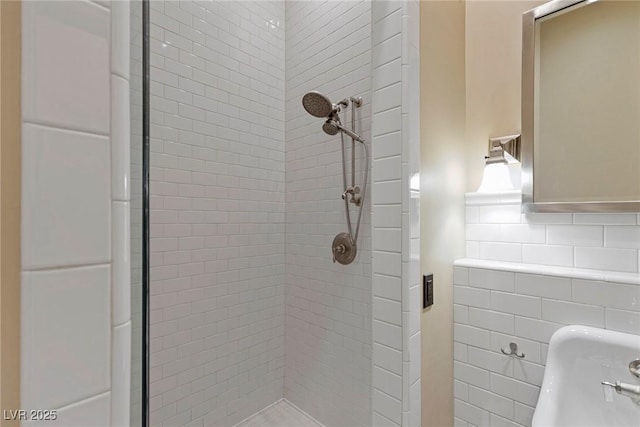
(581, 107)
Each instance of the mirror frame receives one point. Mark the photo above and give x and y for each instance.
(529, 205)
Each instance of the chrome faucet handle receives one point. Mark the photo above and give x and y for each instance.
(629, 390)
(634, 368)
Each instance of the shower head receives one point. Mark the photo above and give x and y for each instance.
(330, 127)
(317, 104)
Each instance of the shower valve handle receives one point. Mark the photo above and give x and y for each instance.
(338, 249)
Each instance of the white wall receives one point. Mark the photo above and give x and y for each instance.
(396, 213)
(328, 305)
(217, 210)
(75, 211)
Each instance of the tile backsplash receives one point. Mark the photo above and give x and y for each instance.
(497, 230)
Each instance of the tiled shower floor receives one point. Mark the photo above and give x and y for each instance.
(280, 414)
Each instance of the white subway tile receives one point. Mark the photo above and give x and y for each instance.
(387, 74)
(121, 262)
(471, 335)
(473, 250)
(499, 214)
(492, 279)
(510, 252)
(460, 390)
(388, 239)
(523, 414)
(543, 286)
(387, 310)
(610, 295)
(531, 373)
(387, 216)
(498, 421)
(470, 413)
(575, 235)
(472, 215)
(387, 263)
(121, 375)
(50, 325)
(491, 320)
(387, 192)
(622, 237)
(490, 360)
(623, 321)
(482, 232)
(94, 411)
(491, 401)
(387, 98)
(460, 276)
(392, 382)
(459, 352)
(522, 305)
(387, 287)
(387, 51)
(514, 389)
(387, 358)
(571, 313)
(547, 255)
(66, 203)
(120, 138)
(120, 38)
(522, 233)
(607, 259)
(472, 296)
(50, 27)
(471, 375)
(538, 330)
(460, 314)
(386, 122)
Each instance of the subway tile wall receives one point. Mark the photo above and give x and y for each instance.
(498, 303)
(497, 230)
(525, 276)
(328, 305)
(75, 339)
(396, 223)
(217, 210)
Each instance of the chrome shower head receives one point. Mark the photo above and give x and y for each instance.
(317, 104)
(330, 127)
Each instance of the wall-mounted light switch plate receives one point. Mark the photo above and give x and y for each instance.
(427, 290)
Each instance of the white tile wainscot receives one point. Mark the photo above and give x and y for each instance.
(497, 302)
(498, 231)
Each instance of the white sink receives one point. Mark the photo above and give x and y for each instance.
(579, 359)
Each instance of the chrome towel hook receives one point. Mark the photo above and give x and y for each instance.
(513, 347)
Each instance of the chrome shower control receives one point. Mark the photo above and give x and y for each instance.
(343, 248)
(634, 368)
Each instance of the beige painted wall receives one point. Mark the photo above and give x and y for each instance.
(470, 90)
(493, 76)
(10, 151)
(442, 176)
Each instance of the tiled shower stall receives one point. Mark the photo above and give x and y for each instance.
(247, 306)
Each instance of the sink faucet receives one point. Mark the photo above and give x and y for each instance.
(629, 390)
